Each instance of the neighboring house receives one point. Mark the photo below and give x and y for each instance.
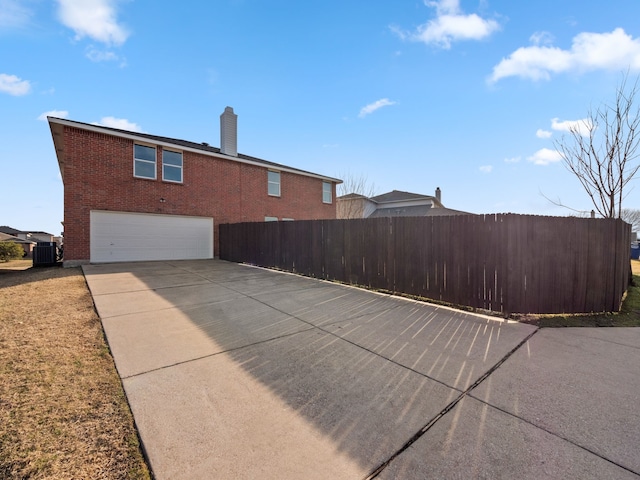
(393, 204)
(27, 245)
(133, 196)
(34, 235)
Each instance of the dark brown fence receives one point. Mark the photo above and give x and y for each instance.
(502, 263)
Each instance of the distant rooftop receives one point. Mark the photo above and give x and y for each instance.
(398, 196)
(14, 232)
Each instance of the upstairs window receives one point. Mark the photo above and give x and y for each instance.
(326, 192)
(172, 166)
(273, 183)
(144, 161)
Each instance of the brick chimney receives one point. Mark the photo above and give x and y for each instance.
(229, 132)
(439, 195)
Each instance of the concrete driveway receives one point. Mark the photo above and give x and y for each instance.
(236, 372)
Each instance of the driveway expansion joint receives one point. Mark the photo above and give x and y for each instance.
(378, 470)
(241, 347)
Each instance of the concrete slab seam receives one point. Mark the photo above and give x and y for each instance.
(636, 347)
(388, 295)
(380, 468)
(219, 353)
(568, 440)
(173, 307)
(382, 310)
(323, 330)
(320, 328)
(226, 282)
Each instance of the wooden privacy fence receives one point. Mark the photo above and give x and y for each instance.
(502, 263)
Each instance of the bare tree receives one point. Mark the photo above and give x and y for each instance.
(353, 194)
(601, 150)
(631, 216)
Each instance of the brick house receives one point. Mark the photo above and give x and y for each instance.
(132, 196)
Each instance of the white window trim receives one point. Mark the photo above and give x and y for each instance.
(274, 183)
(173, 166)
(330, 193)
(155, 161)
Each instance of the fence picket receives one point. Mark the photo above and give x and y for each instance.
(504, 263)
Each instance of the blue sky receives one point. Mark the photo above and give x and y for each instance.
(463, 95)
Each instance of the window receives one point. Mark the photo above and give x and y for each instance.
(326, 192)
(273, 182)
(144, 161)
(172, 166)
(270, 219)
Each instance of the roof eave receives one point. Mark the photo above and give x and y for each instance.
(58, 143)
(57, 125)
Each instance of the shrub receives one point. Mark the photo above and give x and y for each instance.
(10, 251)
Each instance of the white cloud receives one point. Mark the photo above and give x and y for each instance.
(96, 19)
(541, 38)
(13, 13)
(512, 160)
(486, 168)
(121, 123)
(54, 113)
(589, 51)
(583, 126)
(450, 25)
(96, 55)
(444, 7)
(543, 133)
(372, 107)
(545, 156)
(14, 85)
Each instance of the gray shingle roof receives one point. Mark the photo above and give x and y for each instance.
(397, 196)
(203, 146)
(5, 237)
(9, 230)
(14, 232)
(416, 211)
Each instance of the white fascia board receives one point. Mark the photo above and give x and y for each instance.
(138, 138)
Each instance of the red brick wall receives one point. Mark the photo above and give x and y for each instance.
(98, 175)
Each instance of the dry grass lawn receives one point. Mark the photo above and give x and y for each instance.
(63, 413)
(14, 265)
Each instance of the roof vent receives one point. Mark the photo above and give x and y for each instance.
(229, 132)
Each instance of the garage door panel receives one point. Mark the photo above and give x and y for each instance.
(121, 237)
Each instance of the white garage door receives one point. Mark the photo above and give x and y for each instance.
(128, 237)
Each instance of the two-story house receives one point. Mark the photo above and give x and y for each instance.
(132, 196)
(393, 204)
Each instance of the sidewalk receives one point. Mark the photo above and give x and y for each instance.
(239, 372)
